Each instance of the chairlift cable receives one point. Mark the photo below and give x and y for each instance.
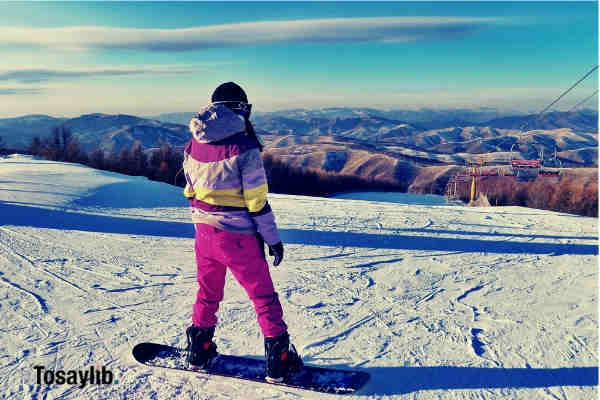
(583, 101)
(560, 97)
(522, 128)
(568, 90)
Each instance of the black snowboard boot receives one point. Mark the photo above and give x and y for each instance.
(201, 348)
(282, 358)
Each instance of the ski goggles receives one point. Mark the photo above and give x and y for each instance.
(238, 107)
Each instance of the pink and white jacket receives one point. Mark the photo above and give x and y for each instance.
(226, 181)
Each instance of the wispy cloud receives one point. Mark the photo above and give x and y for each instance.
(36, 75)
(19, 91)
(382, 29)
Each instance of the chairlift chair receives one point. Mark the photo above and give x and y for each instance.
(550, 168)
(524, 170)
(490, 172)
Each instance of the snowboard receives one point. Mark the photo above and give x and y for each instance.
(325, 380)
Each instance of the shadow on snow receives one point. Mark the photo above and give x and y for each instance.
(401, 380)
(20, 215)
(407, 242)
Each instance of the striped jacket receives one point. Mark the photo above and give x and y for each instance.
(226, 181)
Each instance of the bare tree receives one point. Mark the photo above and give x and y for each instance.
(35, 147)
(73, 152)
(139, 158)
(66, 136)
(97, 159)
(124, 161)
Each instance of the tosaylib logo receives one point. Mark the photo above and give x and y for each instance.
(92, 376)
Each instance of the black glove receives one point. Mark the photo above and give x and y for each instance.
(277, 251)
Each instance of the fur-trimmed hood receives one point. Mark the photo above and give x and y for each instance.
(216, 122)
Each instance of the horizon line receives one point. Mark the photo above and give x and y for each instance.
(421, 109)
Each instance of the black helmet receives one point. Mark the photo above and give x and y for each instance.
(234, 97)
(229, 92)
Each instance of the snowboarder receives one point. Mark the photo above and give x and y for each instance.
(227, 189)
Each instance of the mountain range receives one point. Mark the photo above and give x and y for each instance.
(428, 118)
(305, 121)
(358, 141)
(109, 132)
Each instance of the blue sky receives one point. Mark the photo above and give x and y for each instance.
(148, 58)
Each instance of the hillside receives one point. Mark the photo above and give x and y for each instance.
(18, 132)
(425, 117)
(111, 133)
(434, 301)
(364, 142)
(333, 154)
(576, 121)
(566, 131)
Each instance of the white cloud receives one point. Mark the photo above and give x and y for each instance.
(382, 29)
(35, 75)
(19, 91)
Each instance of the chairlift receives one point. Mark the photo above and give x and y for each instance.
(461, 178)
(550, 167)
(524, 170)
(531, 164)
(550, 174)
(490, 172)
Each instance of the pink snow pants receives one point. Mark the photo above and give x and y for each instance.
(217, 250)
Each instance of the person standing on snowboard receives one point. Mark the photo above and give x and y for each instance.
(227, 189)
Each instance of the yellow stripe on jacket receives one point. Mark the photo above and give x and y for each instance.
(254, 199)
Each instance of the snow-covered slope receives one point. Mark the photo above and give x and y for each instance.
(433, 301)
(393, 197)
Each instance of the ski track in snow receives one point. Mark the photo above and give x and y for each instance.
(434, 301)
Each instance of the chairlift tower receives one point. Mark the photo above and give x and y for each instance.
(451, 192)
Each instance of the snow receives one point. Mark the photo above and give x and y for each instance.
(434, 301)
(392, 197)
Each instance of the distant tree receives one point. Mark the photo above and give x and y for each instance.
(83, 158)
(111, 163)
(167, 161)
(124, 161)
(589, 203)
(166, 152)
(539, 194)
(72, 152)
(66, 137)
(153, 165)
(163, 172)
(96, 159)
(49, 148)
(35, 147)
(155, 159)
(61, 146)
(54, 150)
(139, 159)
(3, 149)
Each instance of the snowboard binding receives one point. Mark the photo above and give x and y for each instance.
(282, 358)
(201, 348)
